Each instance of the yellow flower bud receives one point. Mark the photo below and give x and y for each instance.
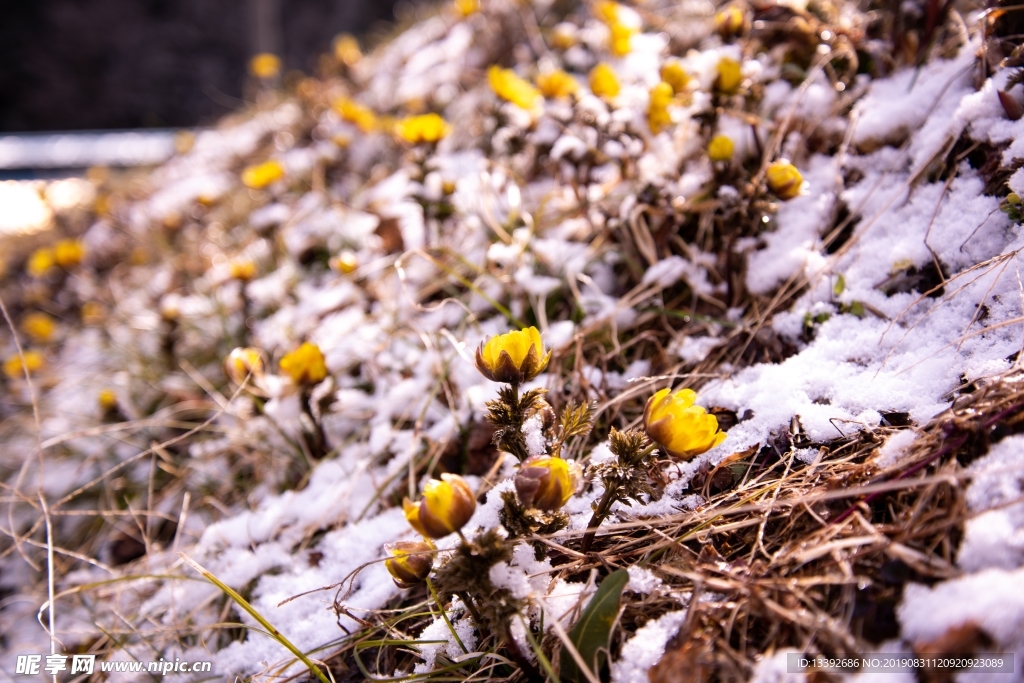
(242, 362)
(40, 262)
(784, 179)
(514, 357)
(68, 253)
(346, 49)
(730, 21)
(510, 87)
(467, 7)
(720, 148)
(423, 128)
(15, 369)
(658, 117)
(242, 270)
(260, 175)
(681, 428)
(358, 114)
(305, 365)
(675, 75)
(603, 81)
(410, 562)
(446, 506)
(557, 84)
(39, 326)
(265, 65)
(546, 483)
(563, 36)
(730, 75)
(107, 399)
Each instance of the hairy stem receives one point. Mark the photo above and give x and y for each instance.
(603, 508)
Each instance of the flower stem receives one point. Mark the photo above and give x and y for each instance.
(603, 508)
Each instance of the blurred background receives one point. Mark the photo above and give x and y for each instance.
(117, 64)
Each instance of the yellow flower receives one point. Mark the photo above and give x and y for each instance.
(546, 483)
(784, 179)
(410, 562)
(39, 326)
(423, 128)
(68, 253)
(358, 114)
(675, 75)
(345, 262)
(467, 7)
(243, 362)
(603, 81)
(445, 508)
(40, 262)
(720, 148)
(260, 175)
(730, 21)
(514, 357)
(563, 36)
(107, 399)
(619, 40)
(511, 88)
(305, 365)
(658, 117)
(243, 270)
(92, 313)
(680, 427)
(14, 368)
(608, 11)
(730, 75)
(557, 84)
(346, 49)
(265, 65)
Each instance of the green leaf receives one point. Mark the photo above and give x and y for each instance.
(840, 286)
(591, 633)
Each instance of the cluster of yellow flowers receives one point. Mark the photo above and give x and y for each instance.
(543, 482)
(64, 254)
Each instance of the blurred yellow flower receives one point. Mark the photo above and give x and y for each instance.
(242, 363)
(259, 176)
(658, 116)
(107, 399)
(467, 7)
(784, 179)
(410, 562)
(730, 75)
(68, 253)
(546, 483)
(681, 428)
(514, 357)
(445, 508)
(34, 362)
(265, 65)
(720, 148)
(675, 75)
(563, 36)
(40, 262)
(355, 113)
(423, 128)
(511, 88)
(243, 270)
(305, 365)
(346, 49)
(345, 262)
(603, 81)
(557, 84)
(620, 32)
(730, 21)
(39, 326)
